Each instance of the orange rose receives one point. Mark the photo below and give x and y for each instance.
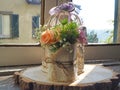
(47, 37)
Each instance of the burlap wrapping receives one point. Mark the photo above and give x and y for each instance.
(80, 58)
(64, 65)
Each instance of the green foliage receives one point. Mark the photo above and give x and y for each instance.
(66, 31)
(64, 21)
(92, 37)
(110, 38)
(38, 32)
(69, 32)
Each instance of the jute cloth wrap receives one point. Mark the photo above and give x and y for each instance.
(65, 64)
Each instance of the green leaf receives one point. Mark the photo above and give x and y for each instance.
(64, 21)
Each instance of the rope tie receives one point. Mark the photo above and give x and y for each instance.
(60, 64)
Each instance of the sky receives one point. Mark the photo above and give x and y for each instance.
(97, 14)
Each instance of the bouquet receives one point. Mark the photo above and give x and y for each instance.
(62, 38)
(63, 29)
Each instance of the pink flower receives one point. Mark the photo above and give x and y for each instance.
(82, 37)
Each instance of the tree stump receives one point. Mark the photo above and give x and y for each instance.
(95, 77)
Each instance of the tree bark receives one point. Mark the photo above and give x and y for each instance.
(28, 84)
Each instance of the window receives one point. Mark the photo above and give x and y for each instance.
(35, 24)
(98, 17)
(18, 20)
(33, 1)
(9, 26)
(4, 26)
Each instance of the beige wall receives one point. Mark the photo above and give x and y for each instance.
(102, 52)
(34, 55)
(20, 55)
(25, 11)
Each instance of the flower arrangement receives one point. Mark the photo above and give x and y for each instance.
(63, 38)
(65, 33)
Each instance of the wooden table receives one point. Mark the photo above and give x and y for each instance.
(95, 77)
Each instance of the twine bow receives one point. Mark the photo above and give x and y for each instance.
(60, 64)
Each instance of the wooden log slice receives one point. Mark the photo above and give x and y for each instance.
(95, 77)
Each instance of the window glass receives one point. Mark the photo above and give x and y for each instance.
(35, 24)
(4, 26)
(98, 18)
(19, 20)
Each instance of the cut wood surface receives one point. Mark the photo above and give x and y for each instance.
(95, 77)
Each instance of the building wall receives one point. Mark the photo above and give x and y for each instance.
(20, 55)
(25, 12)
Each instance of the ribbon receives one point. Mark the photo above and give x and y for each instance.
(63, 7)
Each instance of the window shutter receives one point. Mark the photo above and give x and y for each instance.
(0, 24)
(14, 26)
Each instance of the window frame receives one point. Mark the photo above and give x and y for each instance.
(11, 34)
(115, 21)
(93, 52)
(43, 14)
